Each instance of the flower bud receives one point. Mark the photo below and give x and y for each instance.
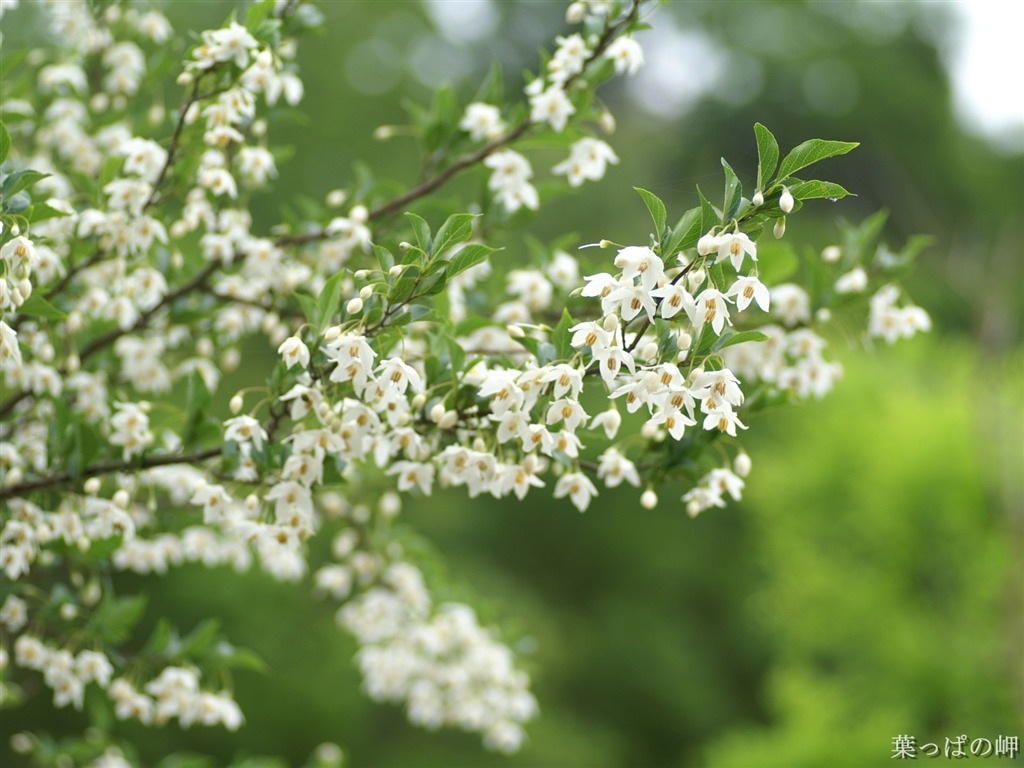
(780, 228)
(823, 315)
(354, 307)
(72, 363)
(786, 200)
(121, 498)
(684, 340)
(757, 200)
(706, 244)
(575, 12)
(605, 244)
(383, 132)
(361, 274)
(332, 333)
(607, 121)
(390, 504)
(74, 321)
(395, 271)
(235, 404)
(693, 508)
(832, 254)
(92, 486)
(366, 292)
(649, 430)
(515, 331)
(437, 412)
(185, 78)
(359, 214)
(230, 360)
(611, 323)
(68, 611)
(648, 499)
(448, 420)
(741, 464)
(650, 351)
(336, 198)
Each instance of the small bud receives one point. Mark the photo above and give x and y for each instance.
(15, 230)
(479, 445)
(605, 244)
(185, 78)
(230, 360)
(707, 244)
(121, 498)
(695, 279)
(515, 331)
(361, 274)
(437, 412)
(74, 321)
(418, 401)
(607, 121)
(354, 307)
(13, 476)
(396, 270)
(68, 611)
(575, 13)
(693, 508)
(405, 245)
(780, 228)
(832, 254)
(611, 323)
(383, 132)
(390, 504)
(823, 315)
(684, 340)
(786, 200)
(650, 352)
(757, 200)
(741, 464)
(448, 420)
(359, 214)
(72, 363)
(92, 486)
(332, 333)
(696, 373)
(366, 292)
(324, 409)
(204, 347)
(235, 405)
(177, 260)
(648, 499)
(336, 198)
(649, 430)
(99, 103)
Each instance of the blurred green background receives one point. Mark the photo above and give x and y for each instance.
(868, 585)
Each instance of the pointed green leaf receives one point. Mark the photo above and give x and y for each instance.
(811, 152)
(685, 235)
(657, 209)
(708, 217)
(729, 338)
(458, 228)
(807, 190)
(467, 257)
(733, 192)
(18, 181)
(560, 336)
(421, 230)
(309, 308)
(405, 285)
(767, 155)
(329, 301)
(37, 306)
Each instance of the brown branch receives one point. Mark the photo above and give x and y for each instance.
(106, 468)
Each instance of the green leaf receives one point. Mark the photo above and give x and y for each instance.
(201, 638)
(329, 300)
(811, 152)
(468, 257)
(729, 338)
(807, 190)
(458, 228)
(405, 285)
(198, 403)
(110, 169)
(685, 235)
(421, 230)
(733, 192)
(5, 142)
(42, 212)
(560, 336)
(18, 181)
(257, 14)
(657, 209)
(385, 258)
(163, 641)
(708, 217)
(37, 306)
(767, 155)
(309, 308)
(115, 617)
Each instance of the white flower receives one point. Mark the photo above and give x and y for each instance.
(482, 121)
(577, 487)
(614, 468)
(588, 159)
(413, 474)
(747, 289)
(551, 106)
(627, 55)
(294, 352)
(674, 297)
(711, 307)
(511, 180)
(9, 349)
(791, 304)
(733, 246)
(245, 430)
(854, 281)
(642, 262)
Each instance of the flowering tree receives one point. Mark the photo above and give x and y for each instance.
(409, 355)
